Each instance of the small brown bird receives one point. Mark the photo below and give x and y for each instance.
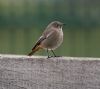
(51, 38)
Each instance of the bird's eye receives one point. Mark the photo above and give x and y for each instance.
(57, 25)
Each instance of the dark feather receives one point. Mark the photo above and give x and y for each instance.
(39, 41)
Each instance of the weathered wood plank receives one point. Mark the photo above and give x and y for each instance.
(22, 72)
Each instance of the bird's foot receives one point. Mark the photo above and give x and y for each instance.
(57, 56)
(53, 56)
(50, 56)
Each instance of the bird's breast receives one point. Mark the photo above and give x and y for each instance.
(54, 40)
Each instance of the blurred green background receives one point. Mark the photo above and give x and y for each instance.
(23, 21)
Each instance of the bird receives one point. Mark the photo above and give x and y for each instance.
(51, 38)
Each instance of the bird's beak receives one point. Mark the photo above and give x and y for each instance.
(63, 24)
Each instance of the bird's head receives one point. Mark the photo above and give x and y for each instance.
(57, 24)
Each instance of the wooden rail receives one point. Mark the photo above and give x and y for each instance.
(37, 72)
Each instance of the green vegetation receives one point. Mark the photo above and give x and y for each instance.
(22, 22)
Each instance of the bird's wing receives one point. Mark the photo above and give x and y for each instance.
(49, 32)
(43, 37)
(39, 41)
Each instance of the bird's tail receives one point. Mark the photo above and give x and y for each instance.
(34, 50)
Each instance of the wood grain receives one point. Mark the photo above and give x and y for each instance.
(22, 72)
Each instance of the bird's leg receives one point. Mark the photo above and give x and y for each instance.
(53, 53)
(48, 53)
